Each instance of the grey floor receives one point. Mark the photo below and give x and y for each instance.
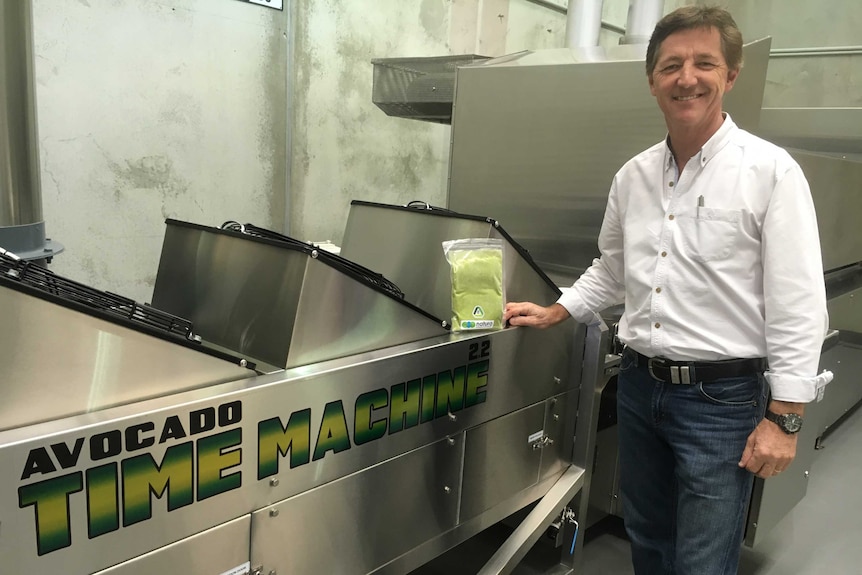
(821, 536)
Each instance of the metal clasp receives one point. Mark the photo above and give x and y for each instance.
(679, 374)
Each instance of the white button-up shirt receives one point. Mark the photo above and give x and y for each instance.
(720, 261)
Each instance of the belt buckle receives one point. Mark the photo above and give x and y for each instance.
(679, 374)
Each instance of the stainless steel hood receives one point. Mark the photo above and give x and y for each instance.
(404, 243)
(69, 349)
(284, 304)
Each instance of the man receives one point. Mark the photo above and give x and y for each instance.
(711, 240)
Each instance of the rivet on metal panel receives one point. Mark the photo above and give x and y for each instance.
(452, 417)
(273, 512)
(806, 474)
(314, 254)
(450, 441)
(257, 571)
(445, 324)
(447, 490)
(557, 380)
(556, 417)
(273, 573)
(274, 482)
(243, 363)
(554, 401)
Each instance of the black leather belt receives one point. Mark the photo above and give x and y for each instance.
(687, 372)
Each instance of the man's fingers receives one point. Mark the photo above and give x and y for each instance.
(747, 453)
(515, 309)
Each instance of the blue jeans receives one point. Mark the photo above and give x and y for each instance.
(684, 496)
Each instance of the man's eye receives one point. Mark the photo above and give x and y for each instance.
(670, 68)
(706, 65)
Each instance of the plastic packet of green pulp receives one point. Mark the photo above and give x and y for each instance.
(476, 268)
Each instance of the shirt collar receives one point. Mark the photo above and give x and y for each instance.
(712, 146)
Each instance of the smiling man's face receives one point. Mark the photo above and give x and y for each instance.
(690, 79)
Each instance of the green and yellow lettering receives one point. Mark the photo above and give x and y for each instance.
(429, 390)
(404, 405)
(143, 477)
(50, 498)
(103, 500)
(215, 455)
(275, 440)
(450, 391)
(477, 380)
(365, 428)
(333, 434)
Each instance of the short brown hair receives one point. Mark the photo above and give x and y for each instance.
(691, 17)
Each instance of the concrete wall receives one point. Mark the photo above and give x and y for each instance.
(343, 146)
(155, 109)
(208, 110)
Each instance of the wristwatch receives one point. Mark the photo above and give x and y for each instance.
(789, 423)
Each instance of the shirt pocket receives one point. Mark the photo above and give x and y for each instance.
(711, 235)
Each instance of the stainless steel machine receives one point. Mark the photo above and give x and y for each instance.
(279, 409)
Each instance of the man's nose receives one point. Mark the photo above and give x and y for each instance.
(687, 76)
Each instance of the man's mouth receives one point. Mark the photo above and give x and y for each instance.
(686, 98)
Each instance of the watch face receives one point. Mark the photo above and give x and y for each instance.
(790, 422)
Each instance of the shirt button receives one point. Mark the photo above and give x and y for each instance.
(670, 184)
(670, 217)
(657, 290)
(664, 254)
(657, 325)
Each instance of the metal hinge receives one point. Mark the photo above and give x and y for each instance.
(542, 442)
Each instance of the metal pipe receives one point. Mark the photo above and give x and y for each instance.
(583, 22)
(774, 53)
(815, 51)
(642, 18)
(563, 10)
(515, 548)
(22, 230)
(20, 185)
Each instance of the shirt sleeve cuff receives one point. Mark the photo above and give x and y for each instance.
(574, 304)
(797, 389)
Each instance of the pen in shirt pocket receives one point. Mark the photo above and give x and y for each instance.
(699, 205)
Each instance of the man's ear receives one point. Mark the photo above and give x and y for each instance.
(732, 75)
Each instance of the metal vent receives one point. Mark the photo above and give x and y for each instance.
(65, 290)
(418, 88)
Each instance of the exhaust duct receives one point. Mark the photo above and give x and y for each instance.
(22, 229)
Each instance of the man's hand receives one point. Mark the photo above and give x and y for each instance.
(769, 450)
(530, 314)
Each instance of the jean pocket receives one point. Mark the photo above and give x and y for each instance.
(733, 392)
(628, 360)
